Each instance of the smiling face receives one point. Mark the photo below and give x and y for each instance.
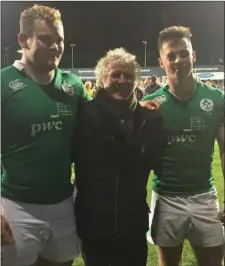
(119, 81)
(177, 58)
(45, 46)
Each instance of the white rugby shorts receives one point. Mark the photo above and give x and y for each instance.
(48, 231)
(176, 218)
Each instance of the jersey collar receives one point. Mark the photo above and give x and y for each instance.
(18, 65)
(197, 85)
(56, 80)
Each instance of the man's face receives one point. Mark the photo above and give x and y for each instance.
(119, 81)
(46, 45)
(177, 58)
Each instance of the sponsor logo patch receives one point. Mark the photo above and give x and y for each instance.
(16, 84)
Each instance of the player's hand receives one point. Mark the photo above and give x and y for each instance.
(221, 215)
(150, 105)
(6, 232)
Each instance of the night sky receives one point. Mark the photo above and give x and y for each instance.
(95, 27)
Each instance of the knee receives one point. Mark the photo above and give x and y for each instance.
(170, 261)
(167, 263)
(170, 256)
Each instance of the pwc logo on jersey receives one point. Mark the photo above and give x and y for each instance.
(206, 105)
(48, 126)
(16, 85)
(68, 89)
(181, 138)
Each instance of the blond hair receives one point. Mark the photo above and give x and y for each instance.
(28, 16)
(173, 32)
(119, 56)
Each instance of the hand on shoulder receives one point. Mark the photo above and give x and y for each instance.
(150, 105)
(6, 232)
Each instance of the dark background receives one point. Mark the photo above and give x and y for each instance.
(96, 27)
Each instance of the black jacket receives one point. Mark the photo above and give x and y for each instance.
(112, 169)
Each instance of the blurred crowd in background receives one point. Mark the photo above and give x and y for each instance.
(149, 85)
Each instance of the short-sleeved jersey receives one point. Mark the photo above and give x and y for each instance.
(191, 128)
(38, 122)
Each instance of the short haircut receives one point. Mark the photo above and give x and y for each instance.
(171, 33)
(118, 56)
(28, 16)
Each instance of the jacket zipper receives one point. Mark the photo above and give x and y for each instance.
(117, 185)
(139, 132)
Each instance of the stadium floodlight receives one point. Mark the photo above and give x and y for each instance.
(145, 43)
(72, 47)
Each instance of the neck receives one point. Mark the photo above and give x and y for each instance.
(183, 89)
(116, 108)
(41, 77)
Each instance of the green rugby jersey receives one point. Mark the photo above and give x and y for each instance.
(191, 128)
(37, 126)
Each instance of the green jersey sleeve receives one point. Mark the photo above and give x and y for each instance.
(153, 96)
(78, 87)
(83, 92)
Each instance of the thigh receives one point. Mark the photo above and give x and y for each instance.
(209, 256)
(64, 244)
(169, 221)
(43, 262)
(27, 233)
(170, 256)
(205, 230)
(130, 251)
(97, 252)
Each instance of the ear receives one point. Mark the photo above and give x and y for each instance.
(160, 63)
(194, 56)
(23, 40)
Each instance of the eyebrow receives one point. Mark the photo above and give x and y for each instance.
(185, 49)
(50, 36)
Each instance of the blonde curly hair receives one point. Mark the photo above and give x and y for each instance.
(119, 56)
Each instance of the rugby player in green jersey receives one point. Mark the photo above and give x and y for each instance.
(184, 200)
(39, 109)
